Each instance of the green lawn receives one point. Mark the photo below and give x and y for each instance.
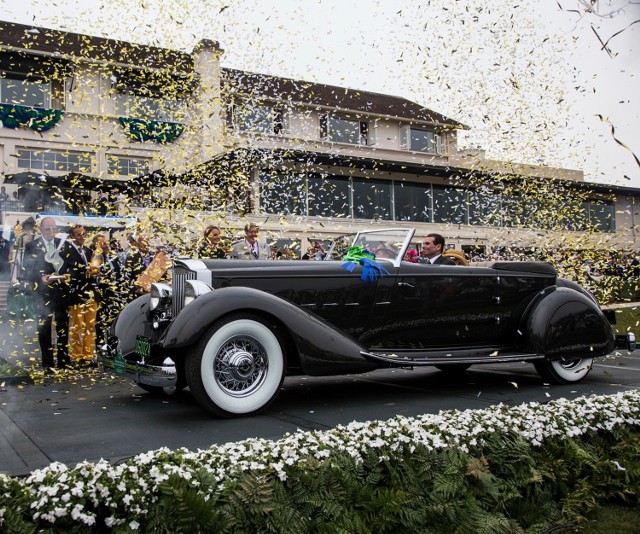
(611, 518)
(628, 320)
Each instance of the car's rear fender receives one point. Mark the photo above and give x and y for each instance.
(322, 349)
(564, 323)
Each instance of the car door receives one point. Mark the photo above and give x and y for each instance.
(435, 307)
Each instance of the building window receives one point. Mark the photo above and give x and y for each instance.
(55, 160)
(24, 93)
(602, 215)
(344, 130)
(425, 141)
(148, 108)
(371, 199)
(317, 195)
(124, 166)
(485, 207)
(450, 205)
(329, 196)
(283, 194)
(412, 202)
(258, 119)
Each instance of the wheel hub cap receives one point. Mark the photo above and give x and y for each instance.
(240, 366)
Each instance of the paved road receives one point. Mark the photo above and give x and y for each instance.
(91, 417)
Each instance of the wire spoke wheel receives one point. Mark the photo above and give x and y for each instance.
(241, 366)
(237, 367)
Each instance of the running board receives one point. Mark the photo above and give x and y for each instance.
(450, 358)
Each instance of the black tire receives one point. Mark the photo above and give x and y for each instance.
(454, 368)
(564, 371)
(237, 367)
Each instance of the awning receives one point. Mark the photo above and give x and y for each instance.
(31, 66)
(75, 181)
(153, 83)
(89, 221)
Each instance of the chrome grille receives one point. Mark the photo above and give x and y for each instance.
(180, 274)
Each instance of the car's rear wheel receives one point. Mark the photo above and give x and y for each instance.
(237, 367)
(564, 371)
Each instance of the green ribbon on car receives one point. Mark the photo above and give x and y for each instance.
(371, 270)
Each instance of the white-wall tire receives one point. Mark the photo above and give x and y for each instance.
(564, 371)
(237, 368)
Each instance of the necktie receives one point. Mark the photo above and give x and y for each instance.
(50, 247)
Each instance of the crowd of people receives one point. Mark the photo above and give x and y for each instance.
(78, 289)
(79, 286)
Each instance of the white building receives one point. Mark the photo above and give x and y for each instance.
(306, 161)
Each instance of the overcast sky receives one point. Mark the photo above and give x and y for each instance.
(530, 79)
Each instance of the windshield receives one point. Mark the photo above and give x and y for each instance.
(389, 244)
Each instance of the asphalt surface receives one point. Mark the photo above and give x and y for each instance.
(88, 416)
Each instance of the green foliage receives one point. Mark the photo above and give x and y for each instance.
(504, 485)
(180, 508)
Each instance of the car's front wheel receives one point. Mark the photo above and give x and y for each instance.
(564, 371)
(237, 367)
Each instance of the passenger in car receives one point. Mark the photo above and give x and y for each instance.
(432, 248)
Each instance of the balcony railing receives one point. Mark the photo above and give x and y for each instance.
(54, 208)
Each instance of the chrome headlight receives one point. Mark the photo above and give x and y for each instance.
(193, 289)
(160, 296)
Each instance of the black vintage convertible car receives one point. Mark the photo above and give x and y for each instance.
(231, 330)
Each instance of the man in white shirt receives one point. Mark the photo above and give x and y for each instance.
(250, 248)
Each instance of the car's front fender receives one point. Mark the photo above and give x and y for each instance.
(322, 348)
(133, 321)
(565, 323)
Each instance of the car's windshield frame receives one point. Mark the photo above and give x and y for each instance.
(385, 241)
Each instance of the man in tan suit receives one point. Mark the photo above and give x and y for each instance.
(250, 248)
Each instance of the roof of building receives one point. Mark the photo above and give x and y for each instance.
(321, 95)
(38, 40)
(21, 41)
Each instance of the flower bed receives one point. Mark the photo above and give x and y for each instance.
(136, 493)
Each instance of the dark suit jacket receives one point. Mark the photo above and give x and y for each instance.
(110, 282)
(441, 260)
(80, 287)
(35, 266)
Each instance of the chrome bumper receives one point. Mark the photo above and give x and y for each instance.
(160, 376)
(626, 341)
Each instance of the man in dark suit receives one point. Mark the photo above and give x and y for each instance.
(110, 287)
(80, 299)
(432, 248)
(41, 261)
(136, 262)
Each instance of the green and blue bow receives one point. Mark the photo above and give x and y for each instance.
(371, 270)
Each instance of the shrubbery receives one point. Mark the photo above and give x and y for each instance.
(502, 469)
